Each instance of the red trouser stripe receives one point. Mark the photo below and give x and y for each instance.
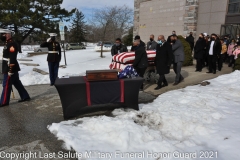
(88, 92)
(6, 91)
(122, 90)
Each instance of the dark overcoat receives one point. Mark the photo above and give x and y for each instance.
(164, 57)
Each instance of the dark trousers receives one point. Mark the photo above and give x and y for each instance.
(162, 79)
(231, 61)
(220, 61)
(141, 72)
(53, 71)
(212, 63)
(199, 64)
(7, 88)
(177, 69)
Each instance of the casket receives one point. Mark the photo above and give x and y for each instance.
(102, 75)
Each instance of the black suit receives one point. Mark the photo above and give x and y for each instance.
(190, 40)
(163, 60)
(199, 52)
(212, 59)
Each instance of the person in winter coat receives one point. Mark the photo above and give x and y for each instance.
(163, 60)
(236, 52)
(222, 55)
(118, 47)
(190, 40)
(230, 52)
(140, 63)
(199, 52)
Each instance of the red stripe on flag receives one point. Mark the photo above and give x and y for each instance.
(88, 92)
(122, 90)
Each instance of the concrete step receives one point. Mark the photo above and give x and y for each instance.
(30, 64)
(24, 59)
(40, 71)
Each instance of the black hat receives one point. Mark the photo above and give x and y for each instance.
(137, 37)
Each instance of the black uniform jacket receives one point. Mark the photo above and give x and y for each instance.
(10, 52)
(53, 46)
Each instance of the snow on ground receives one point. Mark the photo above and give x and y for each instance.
(78, 61)
(202, 120)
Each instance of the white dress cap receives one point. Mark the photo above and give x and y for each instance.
(52, 34)
(5, 30)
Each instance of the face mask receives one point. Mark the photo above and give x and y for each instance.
(159, 42)
(173, 41)
(3, 38)
(53, 38)
(151, 39)
(117, 44)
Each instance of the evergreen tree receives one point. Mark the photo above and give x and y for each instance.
(78, 31)
(128, 39)
(34, 17)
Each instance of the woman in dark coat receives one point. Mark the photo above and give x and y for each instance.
(199, 52)
(163, 60)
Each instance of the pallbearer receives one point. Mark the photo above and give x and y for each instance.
(54, 56)
(10, 68)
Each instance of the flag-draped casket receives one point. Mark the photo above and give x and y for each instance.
(120, 61)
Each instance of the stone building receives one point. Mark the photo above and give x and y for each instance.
(184, 16)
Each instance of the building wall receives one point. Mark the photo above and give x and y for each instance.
(211, 15)
(163, 16)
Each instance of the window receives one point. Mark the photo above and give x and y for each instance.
(234, 6)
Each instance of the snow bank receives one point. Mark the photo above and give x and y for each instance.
(201, 120)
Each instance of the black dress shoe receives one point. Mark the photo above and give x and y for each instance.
(175, 83)
(2, 105)
(23, 100)
(214, 72)
(158, 87)
(209, 72)
(164, 85)
(181, 79)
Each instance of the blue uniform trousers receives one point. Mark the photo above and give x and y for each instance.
(53, 71)
(7, 88)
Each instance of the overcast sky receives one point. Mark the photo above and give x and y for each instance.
(88, 6)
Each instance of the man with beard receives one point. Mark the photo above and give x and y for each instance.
(152, 44)
(214, 50)
(54, 56)
(199, 52)
(178, 58)
(118, 47)
(10, 69)
(163, 61)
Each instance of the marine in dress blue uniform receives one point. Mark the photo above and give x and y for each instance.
(10, 69)
(54, 56)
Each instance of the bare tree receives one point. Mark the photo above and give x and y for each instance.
(109, 23)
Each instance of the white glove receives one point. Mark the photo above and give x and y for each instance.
(48, 39)
(10, 74)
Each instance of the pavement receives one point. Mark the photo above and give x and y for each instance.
(24, 125)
